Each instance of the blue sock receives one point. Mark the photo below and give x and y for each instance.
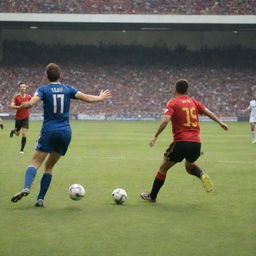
(45, 183)
(29, 176)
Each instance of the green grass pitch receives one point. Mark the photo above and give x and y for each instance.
(185, 221)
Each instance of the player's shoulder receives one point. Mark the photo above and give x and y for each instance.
(41, 87)
(68, 86)
(16, 97)
(171, 101)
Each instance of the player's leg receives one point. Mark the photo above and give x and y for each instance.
(23, 139)
(59, 142)
(253, 128)
(160, 178)
(193, 169)
(17, 128)
(171, 157)
(1, 124)
(192, 152)
(47, 177)
(37, 160)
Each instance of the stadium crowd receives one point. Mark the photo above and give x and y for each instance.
(139, 90)
(139, 77)
(207, 7)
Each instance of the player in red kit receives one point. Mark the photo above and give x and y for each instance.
(22, 115)
(183, 112)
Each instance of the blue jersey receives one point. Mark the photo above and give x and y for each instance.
(56, 100)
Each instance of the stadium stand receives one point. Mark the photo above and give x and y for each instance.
(210, 7)
(220, 82)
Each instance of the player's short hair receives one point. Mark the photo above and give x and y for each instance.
(53, 72)
(181, 86)
(20, 83)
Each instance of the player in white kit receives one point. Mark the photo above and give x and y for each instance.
(252, 109)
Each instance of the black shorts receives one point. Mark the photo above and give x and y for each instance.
(23, 123)
(179, 150)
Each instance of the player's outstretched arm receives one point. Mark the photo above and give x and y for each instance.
(31, 103)
(208, 113)
(164, 123)
(13, 106)
(93, 98)
(247, 110)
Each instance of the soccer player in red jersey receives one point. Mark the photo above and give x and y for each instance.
(22, 115)
(183, 112)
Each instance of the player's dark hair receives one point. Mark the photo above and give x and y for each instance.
(19, 84)
(53, 72)
(181, 86)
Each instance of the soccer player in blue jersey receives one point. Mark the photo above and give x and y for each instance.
(56, 131)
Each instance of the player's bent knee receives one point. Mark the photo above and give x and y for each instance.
(48, 171)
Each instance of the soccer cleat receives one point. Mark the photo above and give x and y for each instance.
(19, 195)
(39, 203)
(254, 141)
(21, 152)
(11, 133)
(207, 183)
(146, 196)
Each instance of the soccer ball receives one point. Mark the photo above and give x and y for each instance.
(76, 192)
(119, 195)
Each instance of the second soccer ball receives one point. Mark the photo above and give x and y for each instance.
(119, 195)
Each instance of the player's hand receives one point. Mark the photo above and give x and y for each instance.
(152, 142)
(224, 126)
(105, 94)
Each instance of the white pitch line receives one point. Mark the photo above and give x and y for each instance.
(158, 159)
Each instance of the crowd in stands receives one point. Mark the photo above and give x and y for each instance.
(139, 88)
(182, 7)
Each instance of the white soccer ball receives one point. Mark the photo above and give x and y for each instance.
(76, 192)
(119, 195)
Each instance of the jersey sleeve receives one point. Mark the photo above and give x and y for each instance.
(201, 108)
(73, 92)
(169, 108)
(39, 93)
(15, 100)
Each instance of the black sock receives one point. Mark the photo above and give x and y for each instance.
(23, 143)
(196, 171)
(2, 126)
(158, 183)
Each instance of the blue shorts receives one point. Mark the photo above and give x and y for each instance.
(54, 141)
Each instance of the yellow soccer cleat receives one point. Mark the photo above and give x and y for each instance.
(207, 183)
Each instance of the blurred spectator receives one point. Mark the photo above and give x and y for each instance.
(218, 7)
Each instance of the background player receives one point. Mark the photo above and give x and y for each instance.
(252, 109)
(183, 112)
(1, 120)
(22, 115)
(56, 131)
